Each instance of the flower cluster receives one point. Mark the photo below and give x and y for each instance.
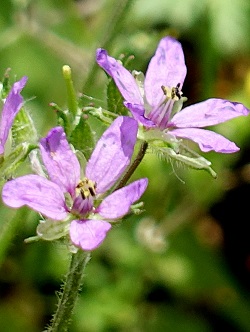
(83, 204)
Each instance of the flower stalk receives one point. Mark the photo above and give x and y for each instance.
(133, 166)
(71, 287)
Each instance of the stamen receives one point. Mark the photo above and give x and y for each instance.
(165, 90)
(176, 92)
(161, 113)
(172, 93)
(82, 194)
(86, 188)
(92, 191)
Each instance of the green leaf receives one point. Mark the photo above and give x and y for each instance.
(115, 99)
(82, 138)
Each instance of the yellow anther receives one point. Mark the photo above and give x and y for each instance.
(86, 188)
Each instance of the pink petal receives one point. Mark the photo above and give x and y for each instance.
(138, 113)
(207, 140)
(112, 153)
(12, 105)
(208, 113)
(61, 163)
(122, 77)
(37, 193)
(118, 203)
(88, 234)
(167, 67)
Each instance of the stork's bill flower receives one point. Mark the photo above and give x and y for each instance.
(81, 199)
(156, 101)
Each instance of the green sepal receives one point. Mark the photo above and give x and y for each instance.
(14, 159)
(23, 129)
(184, 157)
(115, 99)
(82, 138)
(50, 230)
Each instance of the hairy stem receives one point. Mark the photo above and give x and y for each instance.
(71, 288)
(133, 166)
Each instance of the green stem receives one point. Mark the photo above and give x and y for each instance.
(68, 298)
(133, 166)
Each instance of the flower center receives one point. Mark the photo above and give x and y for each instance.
(86, 188)
(83, 202)
(161, 113)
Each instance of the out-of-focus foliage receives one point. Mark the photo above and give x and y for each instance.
(182, 265)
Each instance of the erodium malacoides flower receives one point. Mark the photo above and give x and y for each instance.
(11, 107)
(156, 102)
(81, 200)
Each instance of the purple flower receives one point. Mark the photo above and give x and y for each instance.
(12, 105)
(68, 195)
(158, 102)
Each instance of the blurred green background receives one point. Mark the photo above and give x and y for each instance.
(184, 263)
